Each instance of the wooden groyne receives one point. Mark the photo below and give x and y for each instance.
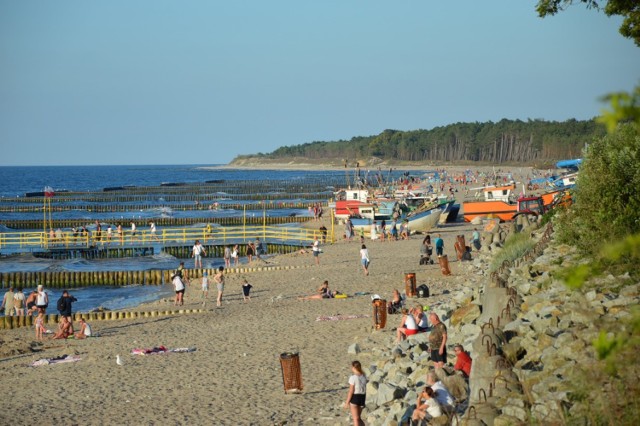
(160, 221)
(9, 323)
(110, 207)
(76, 279)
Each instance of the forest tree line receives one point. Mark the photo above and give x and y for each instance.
(512, 141)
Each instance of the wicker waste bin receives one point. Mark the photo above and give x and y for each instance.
(444, 264)
(291, 374)
(379, 313)
(410, 284)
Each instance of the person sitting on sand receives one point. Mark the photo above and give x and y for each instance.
(65, 329)
(395, 305)
(85, 330)
(323, 293)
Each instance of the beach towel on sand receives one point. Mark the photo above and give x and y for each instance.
(340, 317)
(57, 360)
(160, 350)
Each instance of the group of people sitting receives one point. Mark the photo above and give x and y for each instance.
(413, 321)
(65, 329)
(434, 400)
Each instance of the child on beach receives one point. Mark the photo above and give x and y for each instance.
(235, 255)
(246, 288)
(357, 395)
(205, 287)
(364, 259)
(85, 330)
(219, 279)
(40, 330)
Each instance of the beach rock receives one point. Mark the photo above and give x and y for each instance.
(353, 349)
(388, 393)
(465, 315)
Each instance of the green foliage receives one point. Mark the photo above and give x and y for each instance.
(605, 345)
(575, 277)
(515, 247)
(504, 141)
(628, 9)
(606, 204)
(625, 107)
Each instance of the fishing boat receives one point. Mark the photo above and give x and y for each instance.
(498, 201)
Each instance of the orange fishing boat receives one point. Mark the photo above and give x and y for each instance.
(499, 201)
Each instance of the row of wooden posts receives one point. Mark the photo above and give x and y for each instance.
(8, 323)
(116, 251)
(108, 197)
(107, 208)
(75, 279)
(160, 221)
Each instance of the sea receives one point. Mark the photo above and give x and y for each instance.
(18, 181)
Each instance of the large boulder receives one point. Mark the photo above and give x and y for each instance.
(465, 315)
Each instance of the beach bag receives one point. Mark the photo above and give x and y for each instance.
(423, 291)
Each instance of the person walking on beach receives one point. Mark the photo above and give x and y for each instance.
(227, 257)
(7, 302)
(348, 229)
(65, 304)
(18, 302)
(246, 290)
(205, 288)
(475, 239)
(357, 395)
(251, 250)
(42, 300)
(178, 285)
(198, 252)
(235, 255)
(364, 259)
(316, 250)
(439, 245)
(219, 280)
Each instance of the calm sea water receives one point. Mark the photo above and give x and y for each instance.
(16, 181)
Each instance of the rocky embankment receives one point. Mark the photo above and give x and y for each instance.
(525, 330)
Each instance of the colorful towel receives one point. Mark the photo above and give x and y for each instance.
(160, 350)
(57, 360)
(340, 317)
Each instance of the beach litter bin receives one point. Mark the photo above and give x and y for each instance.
(459, 246)
(444, 264)
(379, 313)
(291, 374)
(410, 284)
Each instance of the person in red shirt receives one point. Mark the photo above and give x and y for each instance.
(463, 362)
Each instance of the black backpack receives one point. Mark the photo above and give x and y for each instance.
(423, 291)
(61, 304)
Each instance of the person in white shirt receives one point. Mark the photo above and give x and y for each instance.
(357, 395)
(198, 252)
(429, 409)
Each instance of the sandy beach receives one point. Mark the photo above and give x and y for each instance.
(234, 375)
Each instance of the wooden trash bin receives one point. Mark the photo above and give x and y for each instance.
(410, 284)
(379, 314)
(444, 264)
(291, 374)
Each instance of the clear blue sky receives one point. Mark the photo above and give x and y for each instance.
(199, 82)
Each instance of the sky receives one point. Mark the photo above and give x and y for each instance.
(200, 82)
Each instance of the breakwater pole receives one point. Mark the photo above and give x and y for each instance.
(76, 279)
(96, 252)
(28, 320)
(110, 208)
(162, 221)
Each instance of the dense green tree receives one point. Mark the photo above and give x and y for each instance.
(628, 9)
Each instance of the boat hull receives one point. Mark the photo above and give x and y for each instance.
(500, 209)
